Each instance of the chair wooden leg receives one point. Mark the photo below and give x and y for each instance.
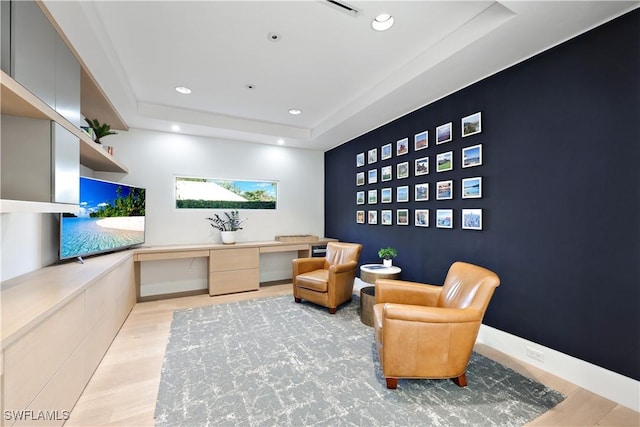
(460, 381)
(298, 300)
(333, 310)
(392, 383)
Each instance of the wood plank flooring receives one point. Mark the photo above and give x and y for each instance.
(123, 390)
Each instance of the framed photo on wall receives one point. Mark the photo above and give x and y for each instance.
(421, 192)
(421, 218)
(360, 217)
(372, 155)
(444, 218)
(373, 176)
(402, 170)
(386, 217)
(386, 173)
(421, 140)
(472, 124)
(360, 198)
(422, 166)
(373, 217)
(444, 133)
(402, 146)
(385, 151)
(472, 188)
(402, 217)
(385, 195)
(444, 190)
(372, 197)
(472, 219)
(472, 156)
(360, 178)
(402, 194)
(444, 161)
(360, 159)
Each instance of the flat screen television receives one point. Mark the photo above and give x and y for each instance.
(111, 218)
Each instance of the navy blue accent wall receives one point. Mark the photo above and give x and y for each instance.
(561, 195)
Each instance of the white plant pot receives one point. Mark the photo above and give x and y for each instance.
(228, 237)
(387, 262)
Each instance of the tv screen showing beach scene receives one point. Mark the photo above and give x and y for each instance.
(111, 217)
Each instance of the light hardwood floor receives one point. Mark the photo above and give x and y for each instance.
(122, 391)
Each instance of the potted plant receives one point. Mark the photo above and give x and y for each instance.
(100, 130)
(227, 225)
(387, 254)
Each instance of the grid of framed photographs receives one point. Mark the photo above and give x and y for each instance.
(427, 178)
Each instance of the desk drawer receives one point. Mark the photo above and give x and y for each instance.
(228, 282)
(234, 259)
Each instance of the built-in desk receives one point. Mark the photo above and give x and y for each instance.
(232, 268)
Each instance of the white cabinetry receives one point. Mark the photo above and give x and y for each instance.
(48, 151)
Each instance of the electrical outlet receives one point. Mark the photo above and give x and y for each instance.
(535, 354)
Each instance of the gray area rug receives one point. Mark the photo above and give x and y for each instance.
(272, 362)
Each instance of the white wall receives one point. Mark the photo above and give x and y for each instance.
(154, 160)
(30, 241)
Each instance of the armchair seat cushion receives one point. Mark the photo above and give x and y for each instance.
(315, 280)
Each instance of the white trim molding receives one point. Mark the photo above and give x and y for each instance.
(608, 384)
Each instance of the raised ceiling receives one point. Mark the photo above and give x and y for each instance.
(345, 77)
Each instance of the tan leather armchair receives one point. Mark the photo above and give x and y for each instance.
(428, 331)
(327, 281)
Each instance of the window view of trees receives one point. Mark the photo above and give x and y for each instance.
(209, 193)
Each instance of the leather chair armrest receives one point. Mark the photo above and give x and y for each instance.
(341, 268)
(404, 292)
(305, 265)
(418, 313)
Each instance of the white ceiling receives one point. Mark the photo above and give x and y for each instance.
(345, 77)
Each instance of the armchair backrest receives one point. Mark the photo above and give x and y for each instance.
(468, 285)
(341, 253)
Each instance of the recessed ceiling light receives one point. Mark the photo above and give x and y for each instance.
(183, 90)
(382, 22)
(175, 128)
(295, 111)
(280, 142)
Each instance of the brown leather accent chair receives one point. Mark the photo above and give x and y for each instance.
(327, 281)
(428, 331)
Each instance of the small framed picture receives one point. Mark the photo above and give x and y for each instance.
(360, 178)
(373, 176)
(472, 219)
(402, 194)
(402, 170)
(444, 190)
(385, 151)
(373, 217)
(360, 159)
(472, 188)
(402, 146)
(386, 195)
(386, 173)
(421, 192)
(422, 166)
(421, 218)
(402, 217)
(386, 217)
(421, 140)
(444, 133)
(444, 161)
(360, 198)
(360, 217)
(472, 156)
(372, 197)
(472, 124)
(372, 155)
(444, 218)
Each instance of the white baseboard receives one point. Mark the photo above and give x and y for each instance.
(608, 384)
